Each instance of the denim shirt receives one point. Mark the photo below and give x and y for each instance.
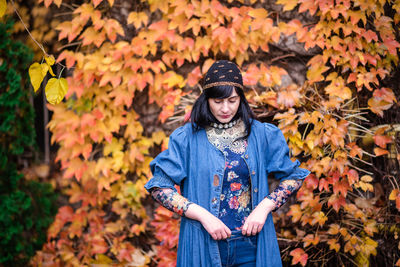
(197, 166)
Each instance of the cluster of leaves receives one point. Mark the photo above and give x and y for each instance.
(160, 50)
(359, 49)
(27, 207)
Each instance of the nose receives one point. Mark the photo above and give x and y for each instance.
(225, 108)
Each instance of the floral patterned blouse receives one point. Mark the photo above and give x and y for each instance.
(235, 205)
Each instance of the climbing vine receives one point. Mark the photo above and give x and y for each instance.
(121, 56)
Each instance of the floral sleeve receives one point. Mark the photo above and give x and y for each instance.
(171, 200)
(284, 190)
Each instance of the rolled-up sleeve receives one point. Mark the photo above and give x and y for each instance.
(169, 167)
(278, 159)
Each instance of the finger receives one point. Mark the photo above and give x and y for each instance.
(244, 228)
(214, 236)
(228, 232)
(219, 236)
(250, 229)
(254, 230)
(224, 234)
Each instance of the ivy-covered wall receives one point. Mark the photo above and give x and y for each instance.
(26, 207)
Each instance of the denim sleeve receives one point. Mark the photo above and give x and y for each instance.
(277, 157)
(169, 167)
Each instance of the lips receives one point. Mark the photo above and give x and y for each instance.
(225, 116)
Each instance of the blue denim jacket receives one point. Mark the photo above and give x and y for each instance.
(197, 166)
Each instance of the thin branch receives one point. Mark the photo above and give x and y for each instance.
(26, 28)
(361, 170)
(282, 57)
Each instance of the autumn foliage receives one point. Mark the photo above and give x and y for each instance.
(123, 55)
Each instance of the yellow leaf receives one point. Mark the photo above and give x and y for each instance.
(50, 60)
(3, 7)
(36, 74)
(366, 178)
(288, 4)
(258, 13)
(56, 90)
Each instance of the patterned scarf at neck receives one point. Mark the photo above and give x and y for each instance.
(222, 138)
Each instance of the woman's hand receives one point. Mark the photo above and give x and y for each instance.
(256, 220)
(214, 226)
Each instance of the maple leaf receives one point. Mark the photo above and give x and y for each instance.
(355, 150)
(295, 212)
(352, 176)
(287, 4)
(336, 201)
(323, 185)
(380, 152)
(333, 244)
(342, 187)
(299, 256)
(391, 45)
(112, 28)
(138, 19)
(382, 140)
(311, 181)
(289, 96)
(320, 218)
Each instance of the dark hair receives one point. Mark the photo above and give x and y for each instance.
(201, 115)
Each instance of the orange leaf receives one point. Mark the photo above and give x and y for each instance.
(379, 151)
(336, 202)
(299, 256)
(333, 244)
(382, 140)
(96, 2)
(355, 150)
(295, 212)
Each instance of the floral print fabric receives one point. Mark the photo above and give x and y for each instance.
(235, 205)
(171, 200)
(284, 190)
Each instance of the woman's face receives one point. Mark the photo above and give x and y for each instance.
(224, 109)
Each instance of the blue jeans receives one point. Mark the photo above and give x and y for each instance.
(238, 250)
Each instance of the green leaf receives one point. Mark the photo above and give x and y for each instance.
(56, 90)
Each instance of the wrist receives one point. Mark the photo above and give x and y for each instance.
(267, 204)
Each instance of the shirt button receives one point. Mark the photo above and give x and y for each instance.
(253, 172)
(255, 190)
(214, 200)
(246, 156)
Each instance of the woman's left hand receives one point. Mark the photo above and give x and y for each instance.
(256, 220)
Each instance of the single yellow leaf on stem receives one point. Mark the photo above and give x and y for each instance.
(36, 74)
(3, 7)
(56, 90)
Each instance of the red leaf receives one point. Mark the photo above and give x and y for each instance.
(382, 140)
(323, 184)
(299, 256)
(311, 181)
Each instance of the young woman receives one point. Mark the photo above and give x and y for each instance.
(221, 162)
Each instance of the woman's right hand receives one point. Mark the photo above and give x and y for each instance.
(214, 226)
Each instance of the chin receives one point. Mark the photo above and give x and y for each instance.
(221, 120)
